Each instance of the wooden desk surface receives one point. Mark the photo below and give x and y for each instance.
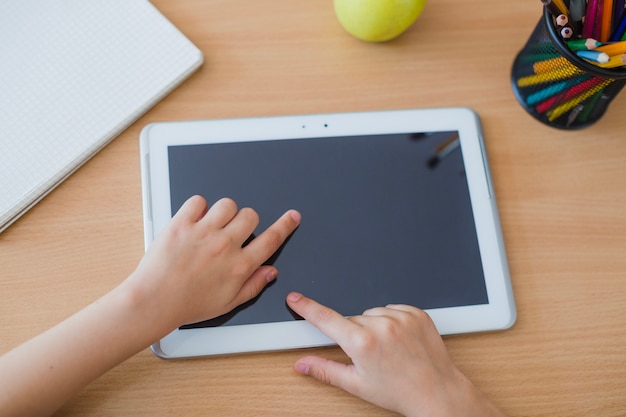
(562, 199)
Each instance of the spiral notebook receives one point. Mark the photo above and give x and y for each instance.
(74, 75)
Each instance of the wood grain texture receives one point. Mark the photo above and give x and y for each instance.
(562, 200)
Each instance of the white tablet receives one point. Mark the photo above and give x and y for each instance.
(397, 207)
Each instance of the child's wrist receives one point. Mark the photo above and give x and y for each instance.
(146, 307)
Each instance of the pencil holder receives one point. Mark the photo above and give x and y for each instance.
(556, 86)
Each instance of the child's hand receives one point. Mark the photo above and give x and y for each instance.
(196, 268)
(399, 361)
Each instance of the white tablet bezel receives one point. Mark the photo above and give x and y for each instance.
(499, 314)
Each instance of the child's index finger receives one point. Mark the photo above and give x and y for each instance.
(327, 320)
(267, 243)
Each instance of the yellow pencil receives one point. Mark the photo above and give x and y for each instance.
(570, 104)
(541, 67)
(614, 62)
(561, 6)
(558, 74)
(612, 49)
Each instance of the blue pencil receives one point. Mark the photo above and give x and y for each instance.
(594, 56)
(547, 92)
(621, 29)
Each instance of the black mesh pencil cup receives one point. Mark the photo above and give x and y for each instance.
(556, 86)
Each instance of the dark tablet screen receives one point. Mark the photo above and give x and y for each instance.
(385, 218)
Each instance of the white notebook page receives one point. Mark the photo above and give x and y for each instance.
(73, 75)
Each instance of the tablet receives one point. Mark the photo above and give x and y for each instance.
(397, 207)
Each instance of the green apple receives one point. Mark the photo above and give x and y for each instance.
(377, 20)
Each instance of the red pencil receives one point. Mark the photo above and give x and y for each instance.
(567, 95)
(590, 19)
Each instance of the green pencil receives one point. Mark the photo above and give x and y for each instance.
(588, 106)
(583, 44)
(532, 58)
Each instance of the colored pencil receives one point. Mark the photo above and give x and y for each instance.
(548, 65)
(547, 92)
(606, 25)
(553, 7)
(618, 11)
(615, 62)
(595, 56)
(612, 49)
(619, 30)
(591, 13)
(567, 95)
(532, 58)
(588, 107)
(605, 97)
(567, 32)
(561, 20)
(567, 106)
(583, 44)
(560, 4)
(596, 30)
(556, 75)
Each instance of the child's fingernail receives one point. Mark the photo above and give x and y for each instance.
(271, 275)
(302, 368)
(294, 296)
(295, 215)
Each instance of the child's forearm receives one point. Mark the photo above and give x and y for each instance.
(37, 377)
